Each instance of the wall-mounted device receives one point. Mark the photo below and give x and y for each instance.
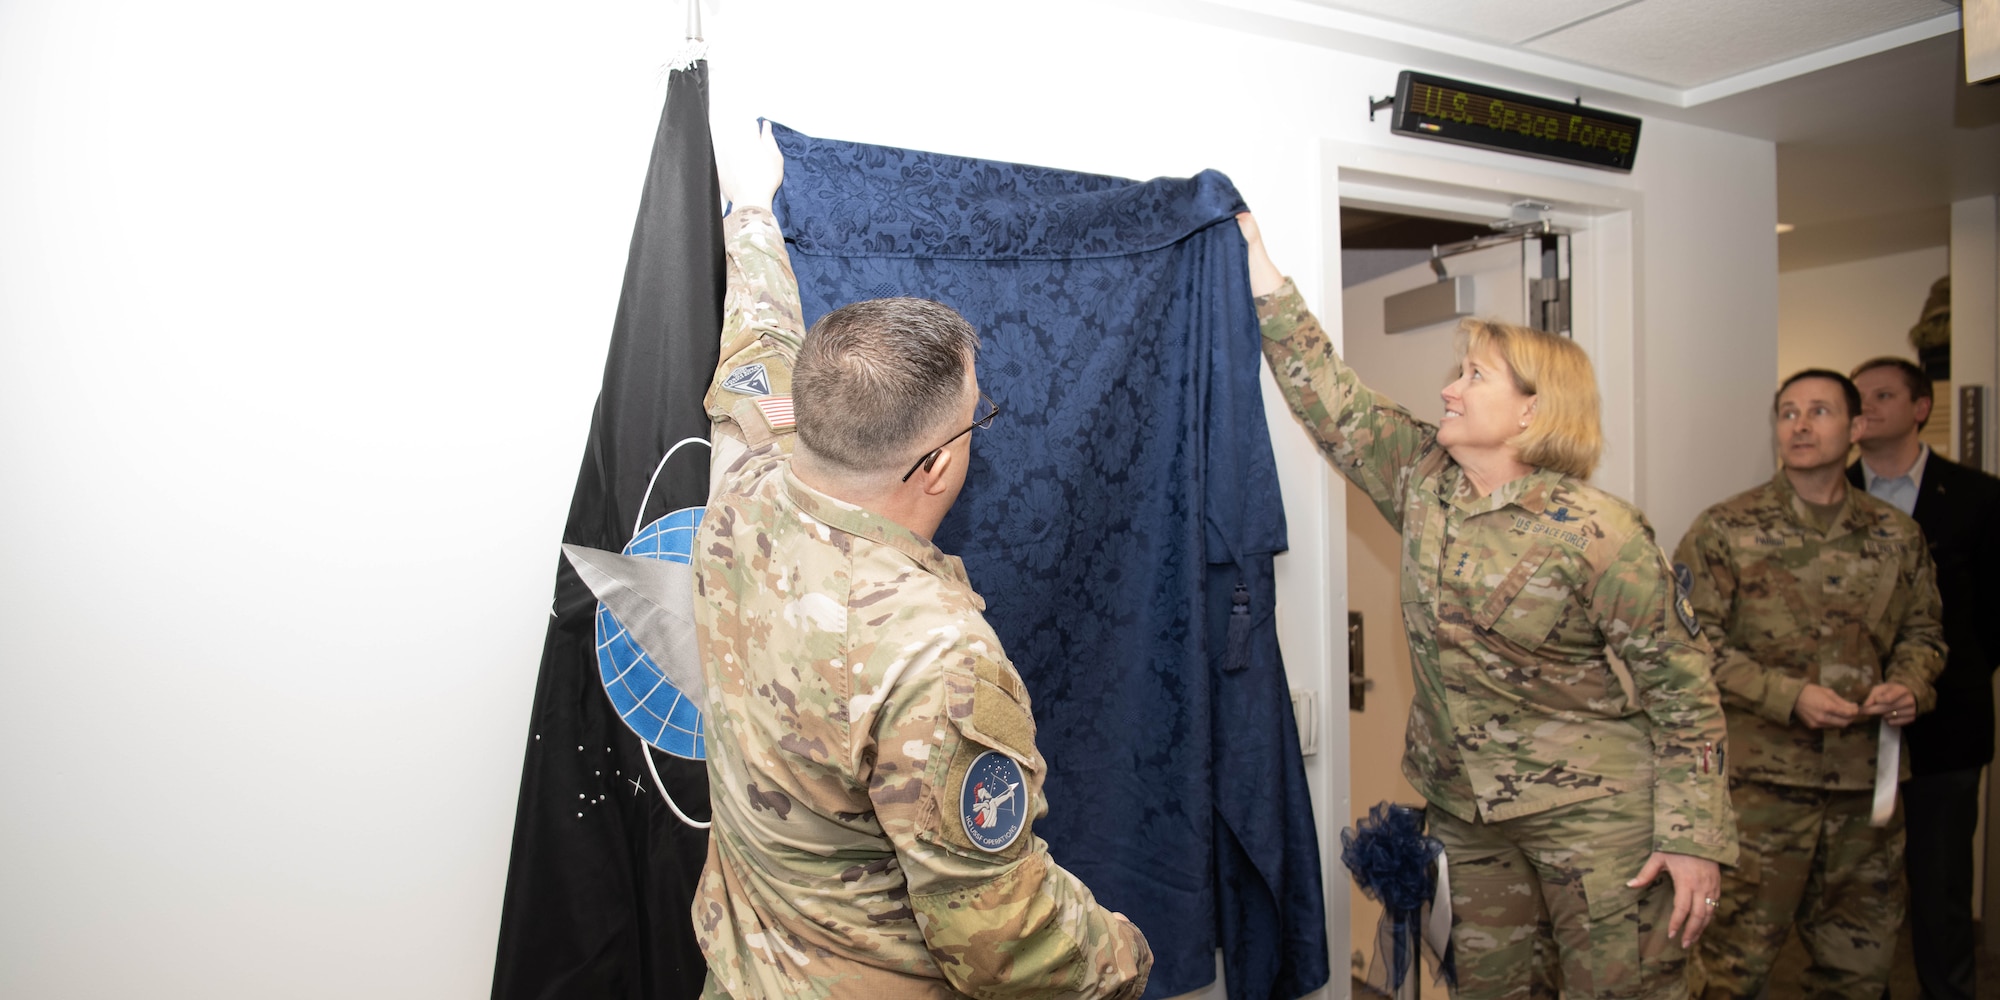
(1546, 285)
(1472, 114)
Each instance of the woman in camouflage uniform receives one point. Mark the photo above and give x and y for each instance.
(1565, 729)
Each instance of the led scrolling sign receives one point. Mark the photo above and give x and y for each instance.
(1432, 107)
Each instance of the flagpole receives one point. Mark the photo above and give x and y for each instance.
(694, 49)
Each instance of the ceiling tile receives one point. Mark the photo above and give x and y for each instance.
(1503, 22)
(1686, 43)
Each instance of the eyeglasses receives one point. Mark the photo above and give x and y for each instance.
(930, 457)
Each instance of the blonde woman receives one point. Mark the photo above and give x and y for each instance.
(1560, 793)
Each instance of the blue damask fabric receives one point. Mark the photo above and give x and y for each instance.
(1120, 518)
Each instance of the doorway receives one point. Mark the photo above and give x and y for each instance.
(1408, 366)
(1371, 195)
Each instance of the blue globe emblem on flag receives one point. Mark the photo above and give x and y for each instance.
(993, 801)
(649, 703)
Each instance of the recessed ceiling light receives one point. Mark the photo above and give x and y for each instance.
(1785, 227)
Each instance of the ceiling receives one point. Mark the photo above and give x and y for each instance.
(1678, 43)
(1877, 133)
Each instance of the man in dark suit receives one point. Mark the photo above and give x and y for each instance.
(1957, 507)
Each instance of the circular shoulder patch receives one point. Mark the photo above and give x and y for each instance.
(1683, 607)
(993, 802)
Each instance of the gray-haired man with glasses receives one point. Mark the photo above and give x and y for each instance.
(871, 750)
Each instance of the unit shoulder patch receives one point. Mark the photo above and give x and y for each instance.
(992, 802)
(749, 380)
(1683, 606)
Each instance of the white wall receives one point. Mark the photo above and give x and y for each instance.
(1841, 315)
(1707, 356)
(302, 312)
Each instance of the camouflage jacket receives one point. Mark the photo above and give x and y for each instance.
(1787, 604)
(1551, 664)
(872, 759)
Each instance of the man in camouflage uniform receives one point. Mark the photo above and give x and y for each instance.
(1565, 729)
(1822, 605)
(871, 751)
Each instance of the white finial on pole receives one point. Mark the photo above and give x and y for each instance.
(695, 48)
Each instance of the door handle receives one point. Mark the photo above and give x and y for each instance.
(1358, 682)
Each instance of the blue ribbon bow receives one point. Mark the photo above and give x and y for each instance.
(1390, 858)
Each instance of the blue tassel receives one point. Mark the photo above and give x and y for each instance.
(1238, 656)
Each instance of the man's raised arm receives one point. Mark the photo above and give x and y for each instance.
(761, 322)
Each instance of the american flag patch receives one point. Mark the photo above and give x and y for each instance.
(777, 411)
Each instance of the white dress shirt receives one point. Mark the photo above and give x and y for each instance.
(1899, 491)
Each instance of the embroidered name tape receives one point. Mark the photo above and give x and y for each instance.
(777, 411)
(1573, 539)
(993, 801)
(750, 380)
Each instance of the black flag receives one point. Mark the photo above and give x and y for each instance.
(603, 873)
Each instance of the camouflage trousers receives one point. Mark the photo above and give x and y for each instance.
(1808, 857)
(1540, 906)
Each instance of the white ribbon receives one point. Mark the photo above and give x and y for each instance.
(1888, 760)
(1437, 930)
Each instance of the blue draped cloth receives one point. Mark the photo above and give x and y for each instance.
(1120, 518)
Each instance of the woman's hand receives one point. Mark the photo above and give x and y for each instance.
(1697, 888)
(1892, 702)
(1265, 277)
